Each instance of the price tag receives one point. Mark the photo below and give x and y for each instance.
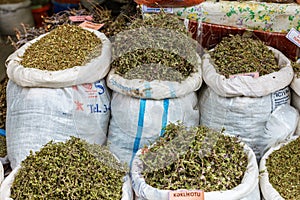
(81, 18)
(294, 36)
(252, 74)
(91, 25)
(146, 9)
(186, 195)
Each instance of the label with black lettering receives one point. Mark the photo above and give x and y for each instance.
(280, 97)
(186, 195)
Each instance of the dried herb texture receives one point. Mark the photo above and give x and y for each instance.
(243, 54)
(3, 148)
(284, 170)
(3, 106)
(160, 39)
(195, 158)
(65, 47)
(69, 170)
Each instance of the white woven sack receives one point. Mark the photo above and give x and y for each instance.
(247, 190)
(12, 15)
(246, 85)
(37, 115)
(7, 183)
(267, 190)
(137, 122)
(91, 72)
(259, 122)
(155, 89)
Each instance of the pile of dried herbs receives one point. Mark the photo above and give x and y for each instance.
(160, 39)
(243, 54)
(194, 158)
(3, 149)
(296, 68)
(284, 170)
(68, 170)
(64, 47)
(3, 107)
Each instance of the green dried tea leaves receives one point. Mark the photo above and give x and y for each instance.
(3, 148)
(64, 47)
(237, 54)
(160, 39)
(195, 158)
(284, 170)
(70, 170)
(296, 68)
(3, 106)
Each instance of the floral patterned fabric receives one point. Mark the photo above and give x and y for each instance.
(253, 15)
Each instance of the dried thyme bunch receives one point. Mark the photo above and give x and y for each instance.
(158, 39)
(3, 149)
(284, 170)
(195, 158)
(3, 106)
(64, 47)
(237, 54)
(69, 170)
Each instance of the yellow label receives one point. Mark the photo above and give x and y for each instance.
(186, 195)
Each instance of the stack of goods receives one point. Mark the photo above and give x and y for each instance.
(189, 160)
(280, 171)
(155, 72)
(56, 89)
(248, 92)
(73, 169)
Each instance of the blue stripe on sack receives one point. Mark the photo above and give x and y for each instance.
(172, 91)
(2, 132)
(139, 131)
(148, 90)
(164, 117)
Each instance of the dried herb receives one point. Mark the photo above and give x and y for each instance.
(3, 106)
(194, 158)
(3, 148)
(284, 170)
(160, 39)
(296, 68)
(238, 54)
(73, 169)
(64, 47)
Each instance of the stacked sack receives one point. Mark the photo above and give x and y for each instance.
(251, 99)
(155, 73)
(56, 89)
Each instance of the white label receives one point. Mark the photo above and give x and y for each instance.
(294, 36)
(280, 97)
(146, 9)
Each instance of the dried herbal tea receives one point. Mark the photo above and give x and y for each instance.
(73, 169)
(284, 170)
(238, 54)
(3, 148)
(65, 47)
(194, 158)
(296, 68)
(160, 39)
(3, 107)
